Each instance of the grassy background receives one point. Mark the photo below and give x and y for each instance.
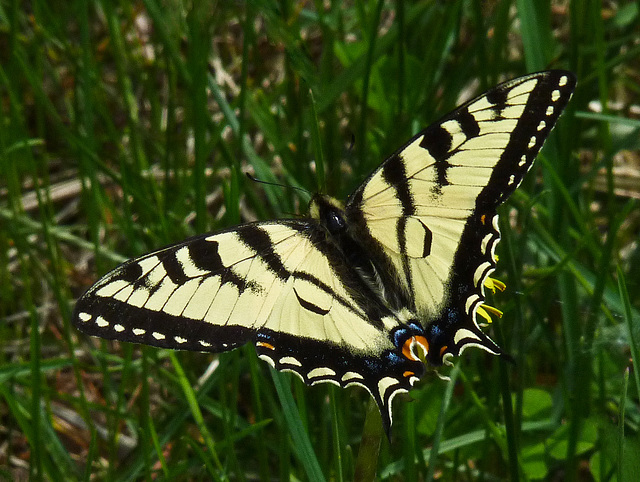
(127, 126)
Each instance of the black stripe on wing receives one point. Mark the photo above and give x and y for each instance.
(546, 103)
(475, 259)
(117, 320)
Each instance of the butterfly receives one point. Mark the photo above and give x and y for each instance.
(363, 293)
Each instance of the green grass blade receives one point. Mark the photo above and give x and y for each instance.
(211, 459)
(302, 445)
(632, 327)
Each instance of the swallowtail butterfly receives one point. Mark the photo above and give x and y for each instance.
(363, 293)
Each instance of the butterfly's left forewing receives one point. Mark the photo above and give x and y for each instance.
(279, 285)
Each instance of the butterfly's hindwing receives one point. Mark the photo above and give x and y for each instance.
(383, 374)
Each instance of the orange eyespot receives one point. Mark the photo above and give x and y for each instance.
(423, 346)
(443, 349)
(265, 345)
(408, 374)
(483, 218)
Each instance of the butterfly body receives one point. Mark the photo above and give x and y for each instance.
(360, 293)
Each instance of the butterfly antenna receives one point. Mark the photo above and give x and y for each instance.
(284, 186)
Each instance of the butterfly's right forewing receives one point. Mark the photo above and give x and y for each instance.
(428, 213)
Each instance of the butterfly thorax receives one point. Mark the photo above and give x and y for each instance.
(331, 216)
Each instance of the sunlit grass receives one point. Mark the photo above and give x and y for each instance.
(128, 127)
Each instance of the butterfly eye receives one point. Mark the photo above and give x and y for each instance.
(334, 222)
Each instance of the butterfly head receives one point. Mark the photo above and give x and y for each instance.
(329, 212)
